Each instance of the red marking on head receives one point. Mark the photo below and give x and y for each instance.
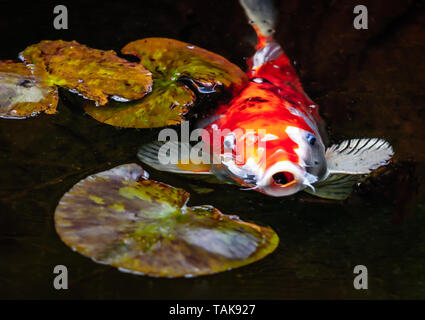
(261, 109)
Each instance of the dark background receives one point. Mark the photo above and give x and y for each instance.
(368, 83)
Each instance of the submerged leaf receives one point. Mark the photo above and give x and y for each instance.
(23, 95)
(169, 61)
(119, 217)
(163, 106)
(95, 74)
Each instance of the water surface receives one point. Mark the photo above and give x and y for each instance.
(368, 83)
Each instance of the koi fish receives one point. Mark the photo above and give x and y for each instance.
(274, 141)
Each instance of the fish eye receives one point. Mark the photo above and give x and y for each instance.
(311, 139)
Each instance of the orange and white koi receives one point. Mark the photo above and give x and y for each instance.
(270, 137)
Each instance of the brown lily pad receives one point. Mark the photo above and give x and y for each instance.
(121, 218)
(95, 74)
(23, 95)
(170, 61)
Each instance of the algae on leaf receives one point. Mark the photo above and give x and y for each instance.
(95, 74)
(162, 107)
(22, 94)
(170, 61)
(121, 218)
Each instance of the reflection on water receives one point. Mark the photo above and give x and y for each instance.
(367, 83)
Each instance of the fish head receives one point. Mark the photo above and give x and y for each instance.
(293, 161)
(275, 156)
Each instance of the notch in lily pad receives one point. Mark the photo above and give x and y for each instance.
(121, 218)
(170, 62)
(94, 74)
(22, 94)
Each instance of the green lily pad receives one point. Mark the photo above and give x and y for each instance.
(164, 106)
(95, 74)
(170, 61)
(121, 218)
(23, 95)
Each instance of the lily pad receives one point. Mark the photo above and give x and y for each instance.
(95, 74)
(121, 218)
(23, 95)
(170, 61)
(164, 106)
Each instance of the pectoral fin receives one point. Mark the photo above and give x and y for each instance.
(152, 153)
(348, 162)
(335, 187)
(358, 156)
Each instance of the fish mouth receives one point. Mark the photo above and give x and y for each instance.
(284, 178)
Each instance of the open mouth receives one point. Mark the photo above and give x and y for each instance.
(283, 178)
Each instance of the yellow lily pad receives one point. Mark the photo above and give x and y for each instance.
(95, 74)
(22, 94)
(170, 61)
(121, 218)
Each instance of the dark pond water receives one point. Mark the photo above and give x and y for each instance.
(368, 83)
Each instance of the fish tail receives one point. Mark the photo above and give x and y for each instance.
(262, 17)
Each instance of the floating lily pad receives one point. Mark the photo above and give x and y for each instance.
(121, 218)
(170, 61)
(95, 74)
(23, 95)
